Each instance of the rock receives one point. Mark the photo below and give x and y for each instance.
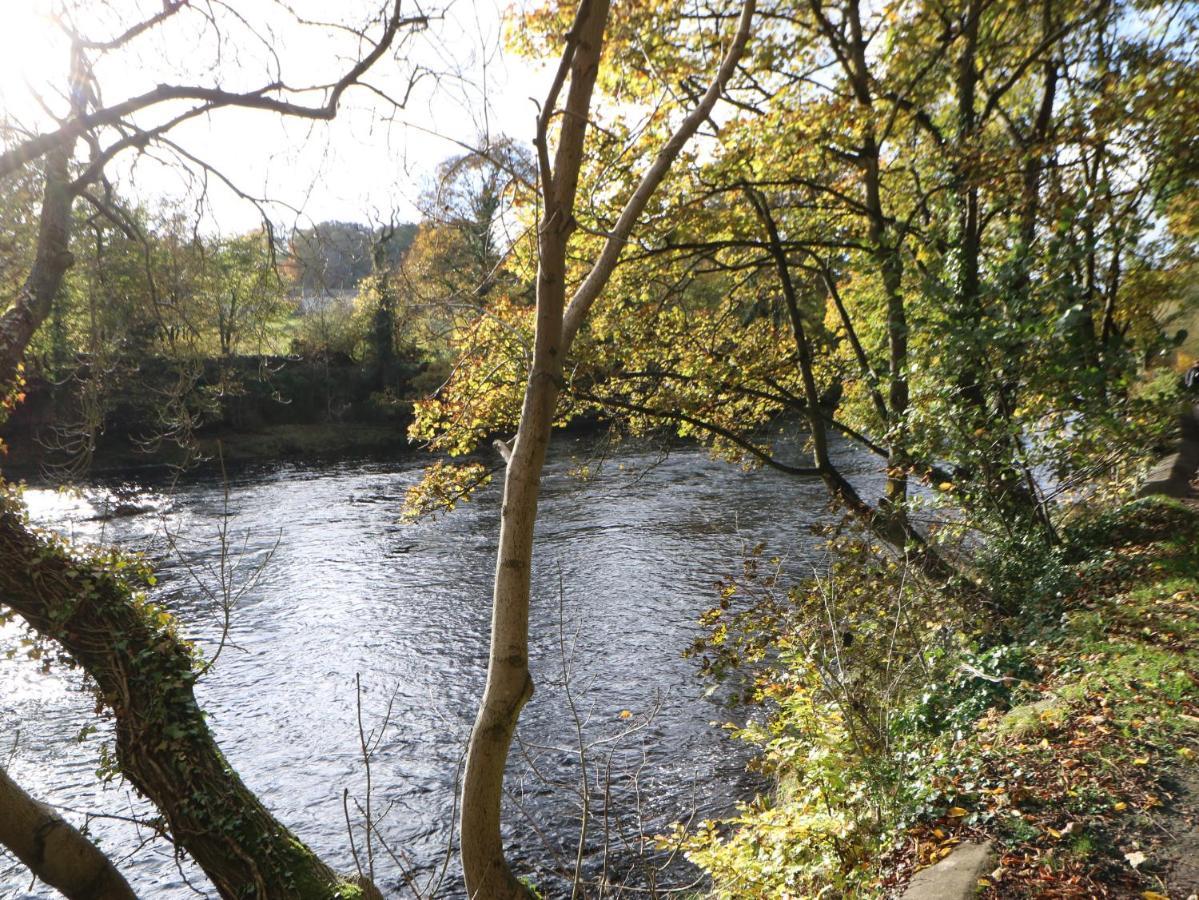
(955, 877)
(1172, 476)
(121, 511)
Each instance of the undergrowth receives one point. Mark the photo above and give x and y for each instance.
(897, 724)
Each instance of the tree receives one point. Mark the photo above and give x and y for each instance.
(92, 605)
(244, 294)
(892, 243)
(381, 293)
(55, 851)
(465, 213)
(336, 256)
(509, 684)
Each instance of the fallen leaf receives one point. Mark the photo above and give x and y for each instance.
(1135, 858)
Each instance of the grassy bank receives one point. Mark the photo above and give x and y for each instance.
(898, 725)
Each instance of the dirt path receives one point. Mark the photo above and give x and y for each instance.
(1180, 852)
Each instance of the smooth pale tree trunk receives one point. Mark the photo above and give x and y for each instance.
(54, 851)
(509, 683)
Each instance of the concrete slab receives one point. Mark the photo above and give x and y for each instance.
(955, 877)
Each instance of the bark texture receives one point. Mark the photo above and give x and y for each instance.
(145, 676)
(54, 850)
(53, 259)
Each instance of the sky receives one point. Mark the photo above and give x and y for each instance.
(371, 162)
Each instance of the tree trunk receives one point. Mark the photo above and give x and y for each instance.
(53, 258)
(142, 672)
(509, 684)
(55, 851)
(145, 675)
(888, 524)
(885, 250)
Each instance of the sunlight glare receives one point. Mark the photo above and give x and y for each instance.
(33, 58)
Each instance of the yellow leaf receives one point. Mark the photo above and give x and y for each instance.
(1053, 832)
(945, 486)
(1153, 895)
(1120, 807)
(1141, 761)
(626, 714)
(956, 812)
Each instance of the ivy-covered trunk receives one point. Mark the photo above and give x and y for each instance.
(143, 674)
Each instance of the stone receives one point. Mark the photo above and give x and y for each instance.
(1172, 476)
(955, 877)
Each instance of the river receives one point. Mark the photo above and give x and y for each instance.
(333, 586)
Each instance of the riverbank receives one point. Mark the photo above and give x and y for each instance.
(168, 412)
(1084, 778)
(257, 410)
(316, 442)
(1066, 739)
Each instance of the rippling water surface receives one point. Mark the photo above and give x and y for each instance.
(333, 585)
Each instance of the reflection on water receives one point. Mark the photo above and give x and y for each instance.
(343, 588)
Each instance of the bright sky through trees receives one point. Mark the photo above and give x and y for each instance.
(370, 160)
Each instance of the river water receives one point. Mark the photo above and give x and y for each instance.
(332, 585)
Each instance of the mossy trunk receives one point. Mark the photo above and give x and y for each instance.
(144, 675)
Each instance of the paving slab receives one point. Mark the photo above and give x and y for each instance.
(955, 877)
